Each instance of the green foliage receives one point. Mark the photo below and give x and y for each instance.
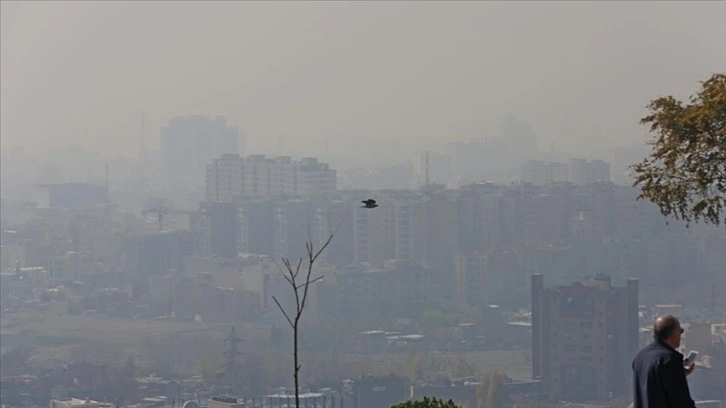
(685, 174)
(427, 403)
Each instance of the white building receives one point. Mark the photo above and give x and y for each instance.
(224, 181)
(314, 178)
(231, 177)
(78, 403)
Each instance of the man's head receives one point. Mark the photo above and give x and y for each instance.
(668, 330)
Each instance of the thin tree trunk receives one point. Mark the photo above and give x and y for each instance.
(297, 368)
(291, 276)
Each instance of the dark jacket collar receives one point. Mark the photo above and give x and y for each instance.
(663, 344)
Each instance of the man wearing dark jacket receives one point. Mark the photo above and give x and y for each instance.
(659, 377)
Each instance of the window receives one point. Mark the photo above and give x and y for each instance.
(577, 304)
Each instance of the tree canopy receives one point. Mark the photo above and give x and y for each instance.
(685, 173)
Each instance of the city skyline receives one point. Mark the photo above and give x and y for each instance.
(450, 75)
(464, 189)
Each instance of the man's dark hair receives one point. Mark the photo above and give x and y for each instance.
(665, 326)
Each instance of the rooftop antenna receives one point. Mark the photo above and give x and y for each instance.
(106, 178)
(142, 137)
(427, 169)
(142, 154)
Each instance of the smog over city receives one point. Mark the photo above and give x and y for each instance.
(476, 204)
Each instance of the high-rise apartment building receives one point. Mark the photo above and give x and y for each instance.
(254, 220)
(584, 172)
(220, 229)
(313, 177)
(224, 179)
(369, 229)
(231, 178)
(433, 230)
(292, 225)
(584, 337)
(189, 143)
(576, 171)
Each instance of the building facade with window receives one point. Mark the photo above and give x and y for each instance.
(584, 337)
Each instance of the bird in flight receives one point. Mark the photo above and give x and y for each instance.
(369, 203)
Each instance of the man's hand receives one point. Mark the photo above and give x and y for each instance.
(690, 368)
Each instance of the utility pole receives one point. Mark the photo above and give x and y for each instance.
(427, 169)
(233, 366)
(142, 154)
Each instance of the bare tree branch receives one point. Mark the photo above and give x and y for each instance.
(291, 274)
(309, 244)
(311, 282)
(330, 239)
(283, 312)
(288, 266)
(289, 280)
(330, 225)
(297, 269)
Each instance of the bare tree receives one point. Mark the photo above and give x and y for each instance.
(300, 285)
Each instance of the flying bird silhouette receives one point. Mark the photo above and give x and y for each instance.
(369, 203)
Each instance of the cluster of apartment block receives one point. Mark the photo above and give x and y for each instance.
(473, 242)
(576, 170)
(231, 177)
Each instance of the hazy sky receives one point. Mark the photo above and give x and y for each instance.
(412, 74)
